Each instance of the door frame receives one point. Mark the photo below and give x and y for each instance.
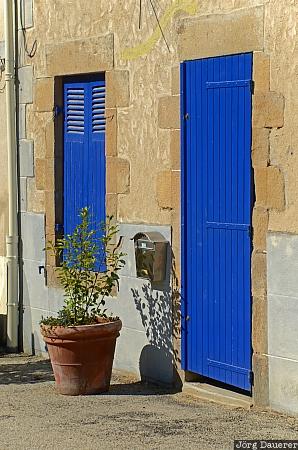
(183, 217)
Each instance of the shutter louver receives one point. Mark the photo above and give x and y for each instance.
(75, 119)
(98, 109)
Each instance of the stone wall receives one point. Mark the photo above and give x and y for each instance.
(143, 128)
(40, 90)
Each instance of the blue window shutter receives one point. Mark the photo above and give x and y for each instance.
(75, 145)
(84, 153)
(96, 159)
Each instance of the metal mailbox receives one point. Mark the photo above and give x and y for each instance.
(151, 256)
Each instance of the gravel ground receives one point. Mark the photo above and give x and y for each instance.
(131, 416)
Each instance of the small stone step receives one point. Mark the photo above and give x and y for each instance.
(217, 395)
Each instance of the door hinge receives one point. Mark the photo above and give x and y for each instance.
(251, 377)
(57, 110)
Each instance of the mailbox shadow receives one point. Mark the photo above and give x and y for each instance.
(159, 308)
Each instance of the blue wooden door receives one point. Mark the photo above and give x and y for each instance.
(84, 151)
(216, 218)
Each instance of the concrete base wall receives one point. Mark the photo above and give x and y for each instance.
(145, 345)
(282, 321)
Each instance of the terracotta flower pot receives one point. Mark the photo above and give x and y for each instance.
(82, 356)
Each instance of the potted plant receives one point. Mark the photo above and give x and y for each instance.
(81, 339)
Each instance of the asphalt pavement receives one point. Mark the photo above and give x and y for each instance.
(132, 416)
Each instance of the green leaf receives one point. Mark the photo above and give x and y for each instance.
(85, 289)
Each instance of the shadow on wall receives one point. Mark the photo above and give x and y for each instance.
(159, 308)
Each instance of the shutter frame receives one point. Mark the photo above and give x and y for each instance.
(84, 152)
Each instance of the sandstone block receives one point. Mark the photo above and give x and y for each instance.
(259, 273)
(44, 94)
(222, 34)
(111, 132)
(164, 189)
(268, 110)
(168, 189)
(169, 112)
(123, 176)
(35, 197)
(49, 138)
(260, 176)
(40, 173)
(261, 375)
(37, 125)
(118, 91)
(260, 221)
(270, 188)
(259, 325)
(50, 258)
(50, 212)
(176, 80)
(275, 188)
(177, 350)
(52, 279)
(118, 175)
(49, 179)
(261, 72)
(111, 205)
(175, 149)
(111, 183)
(260, 147)
(175, 187)
(80, 56)
(176, 249)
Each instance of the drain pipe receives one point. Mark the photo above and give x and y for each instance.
(12, 237)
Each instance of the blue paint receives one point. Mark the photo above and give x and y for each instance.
(216, 218)
(84, 152)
